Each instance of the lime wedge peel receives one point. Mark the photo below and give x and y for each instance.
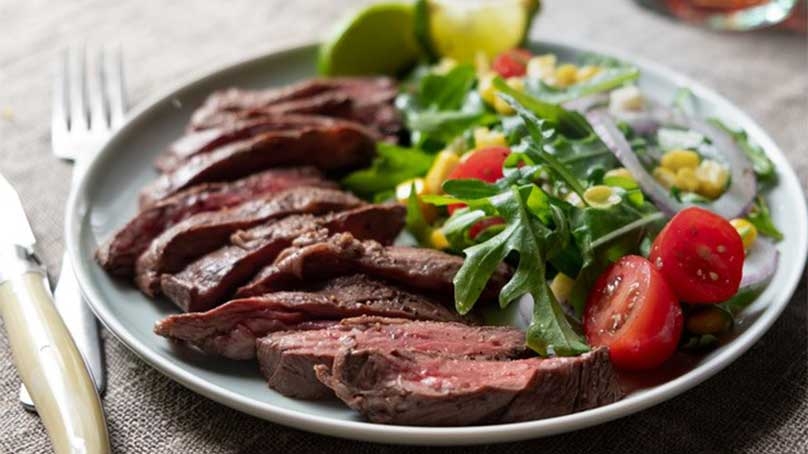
(380, 39)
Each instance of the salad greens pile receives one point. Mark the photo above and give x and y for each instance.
(543, 217)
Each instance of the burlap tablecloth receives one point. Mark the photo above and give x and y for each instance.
(759, 404)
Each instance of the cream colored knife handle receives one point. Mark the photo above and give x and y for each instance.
(51, 367)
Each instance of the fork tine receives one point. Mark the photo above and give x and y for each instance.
(95, 93)
(59, 116)
(77, 87)
(113, 76)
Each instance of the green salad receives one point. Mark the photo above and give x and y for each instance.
(627, 221)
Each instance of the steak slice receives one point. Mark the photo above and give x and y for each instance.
(360, 90)
(327, 104)
(287, 358)
(418, 268)
(412, 389)
(118, 254)
(231, 329)
(200, 142)
(201, 233)
(209, 280)
(340, 147)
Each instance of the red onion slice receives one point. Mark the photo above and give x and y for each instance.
(760, 264)
(608, 132)
(740, 194)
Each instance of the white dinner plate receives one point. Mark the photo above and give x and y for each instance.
(106, 199)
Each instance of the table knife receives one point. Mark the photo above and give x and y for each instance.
(45, 355)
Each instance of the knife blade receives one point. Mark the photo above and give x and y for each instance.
(45, 355)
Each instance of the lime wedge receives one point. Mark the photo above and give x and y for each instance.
(379, 39)
(459, 29)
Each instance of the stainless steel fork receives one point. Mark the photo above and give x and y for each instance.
(88, 105)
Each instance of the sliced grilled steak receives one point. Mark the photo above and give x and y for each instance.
(231, 329)
(412, 389)
(327, 104)
(287, 358)
(118, 254)
(418, 268)
(204, 232)
(369, 90)
(200, 142)
(214, 277)
(341, 147)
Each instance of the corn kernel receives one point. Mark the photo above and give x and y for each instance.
(482, 64)
(585, 73)
(628, 98)
(747, 230)
(561, 286)
(686, 179)
(601, 196)
(404, 189)
(541, 66)
(438, 240)
(566, 75)
(502, 107)
(620, 172)
(443, 165)
(486, 89)
(444, 65)
(665, 177)
(678, 159)
(484, 137)
(713, 178)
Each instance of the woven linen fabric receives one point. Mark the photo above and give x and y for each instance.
(758, 404)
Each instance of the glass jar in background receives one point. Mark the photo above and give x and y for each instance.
(736, 15)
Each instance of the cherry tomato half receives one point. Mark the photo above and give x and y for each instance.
(483, 164)
(633, 311)
(511, 63)
(701, 255)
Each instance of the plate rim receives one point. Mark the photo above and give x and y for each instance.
(77, 210)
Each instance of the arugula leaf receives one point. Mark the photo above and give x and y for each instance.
(443, 126)
(391, 166)
(741, 300)
(583, 157)
(440, 200)
(760, 217)
(606, 79)
(446, 91)
(592, 227)
(441, 107)
(570, 124)
(469, 188)
(538, 135)
(764, 168)
(527, 237)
